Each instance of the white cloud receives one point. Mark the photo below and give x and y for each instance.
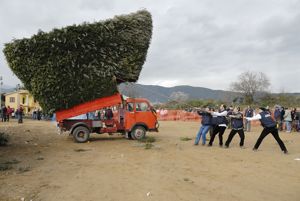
(197, 42)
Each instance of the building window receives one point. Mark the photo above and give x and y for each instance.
(11, 99)
(23, 100)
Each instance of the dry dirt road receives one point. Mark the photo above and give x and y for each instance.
(46, 166)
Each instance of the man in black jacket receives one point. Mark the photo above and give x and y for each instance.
(221, 125)
(237, 125)
(269, 125)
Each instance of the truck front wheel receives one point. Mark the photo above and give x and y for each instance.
(138, 133)
(81, 134)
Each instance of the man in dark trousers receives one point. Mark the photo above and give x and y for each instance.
(237, 126)
(221, 125)
(4, 113)
(269, 127)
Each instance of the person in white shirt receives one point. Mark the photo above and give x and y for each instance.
(221, 125)
(269, 125)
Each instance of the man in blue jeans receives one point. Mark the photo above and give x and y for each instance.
(205, 125)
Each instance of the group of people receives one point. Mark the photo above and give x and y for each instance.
(218, 122)
(287, 116)
(7, 113)
(37, 114)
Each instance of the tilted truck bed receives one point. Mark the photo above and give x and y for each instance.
(90, 106)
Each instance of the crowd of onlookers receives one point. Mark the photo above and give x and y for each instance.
(7, 113)
(287, 118)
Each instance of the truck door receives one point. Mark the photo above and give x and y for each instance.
(129, 115)
(143, 114)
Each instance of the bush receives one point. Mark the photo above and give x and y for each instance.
(4, 138)
(148, 139)
(79, 63)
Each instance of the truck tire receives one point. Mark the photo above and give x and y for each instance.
(138, 133)
(81, 134)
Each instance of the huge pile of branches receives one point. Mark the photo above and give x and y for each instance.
(79, 63)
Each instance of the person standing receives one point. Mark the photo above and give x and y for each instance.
(38, 114)
(248, 113)
(4, 113)
(277, 117)
(293, 115)
(109, 113)
(8, 113)
(288, 120)
(237, 127)
(221, 125)
(269, 126)
(282, 112)
(205, 125)
(20, 115)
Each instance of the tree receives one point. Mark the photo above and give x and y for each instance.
(249, 83)
(179, 96)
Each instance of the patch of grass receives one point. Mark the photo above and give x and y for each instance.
(4, 138)
(24, 169)
(5, 167)
(81, 150)
(148, 139)
(148, 145)
(14, 161)
(185, 138)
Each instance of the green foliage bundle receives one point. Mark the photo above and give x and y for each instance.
(79, 63)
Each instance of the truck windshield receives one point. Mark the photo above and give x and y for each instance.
(141, 106)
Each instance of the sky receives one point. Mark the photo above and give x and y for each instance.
(205, 43)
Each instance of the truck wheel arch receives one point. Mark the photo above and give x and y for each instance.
(79, 124)
(139, 124)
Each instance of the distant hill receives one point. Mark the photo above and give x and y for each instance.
(159, 94)
(7, 89)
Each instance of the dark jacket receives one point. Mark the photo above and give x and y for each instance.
(206, 118)
(249, 112)
(266, 120)
(237, 121)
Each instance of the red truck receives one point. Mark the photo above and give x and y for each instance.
(131, 117)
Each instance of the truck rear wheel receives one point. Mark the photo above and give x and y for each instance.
(138, 133)
(81, 134)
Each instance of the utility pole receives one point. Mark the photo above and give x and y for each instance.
(1, 83)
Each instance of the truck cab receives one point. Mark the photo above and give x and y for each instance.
(132, 117)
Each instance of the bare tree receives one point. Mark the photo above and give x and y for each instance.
(179, 96)
(249, 83)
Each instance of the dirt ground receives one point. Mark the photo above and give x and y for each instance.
(46, 166)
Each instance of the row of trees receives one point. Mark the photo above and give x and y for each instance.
(252, 88)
